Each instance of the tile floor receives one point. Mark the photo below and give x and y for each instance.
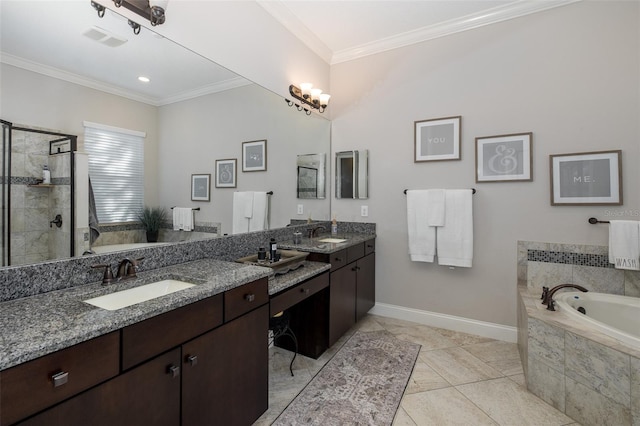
(458, 379)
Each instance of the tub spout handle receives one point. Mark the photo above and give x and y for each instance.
(550, 303)
(545, 293)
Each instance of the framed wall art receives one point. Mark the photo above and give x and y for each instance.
(587, 178)
(226, 172)
(504, 158)
(200, 187)
(437, 139)
(254, 156)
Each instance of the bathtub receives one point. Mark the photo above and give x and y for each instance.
(613, 315)
(121, 247)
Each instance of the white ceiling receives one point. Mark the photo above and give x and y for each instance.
(47, 37)
(344, 30)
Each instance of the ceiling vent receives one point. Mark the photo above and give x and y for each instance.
(105, 37)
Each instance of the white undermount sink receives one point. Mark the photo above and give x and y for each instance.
(332, 240)
(124, 298)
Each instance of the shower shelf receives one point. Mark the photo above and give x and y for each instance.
(40, 185)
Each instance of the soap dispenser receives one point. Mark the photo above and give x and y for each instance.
(46, 175)
(273, 247)
(334, 226)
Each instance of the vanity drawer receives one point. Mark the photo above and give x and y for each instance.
(369, 246)
(355, 252)
(153, 336)
(245, 298)
(298, 293)
(38, 384)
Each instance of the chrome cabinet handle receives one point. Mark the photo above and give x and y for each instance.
(249, 297)
(174, 370)
(304, 290)
(337, 259)
(192, 359)
(60, 378)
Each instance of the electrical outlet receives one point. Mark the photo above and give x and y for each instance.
(364, 211)
(300, 209)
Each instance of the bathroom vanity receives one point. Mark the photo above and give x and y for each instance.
(181, 359)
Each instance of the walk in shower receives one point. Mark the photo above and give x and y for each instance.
(37, 218)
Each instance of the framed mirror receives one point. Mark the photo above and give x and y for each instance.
(352, 174)
(311, 176)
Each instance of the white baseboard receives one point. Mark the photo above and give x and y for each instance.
(449, 322)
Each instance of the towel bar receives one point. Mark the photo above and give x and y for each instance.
(593, 221)
(192, 208)
(473, 191)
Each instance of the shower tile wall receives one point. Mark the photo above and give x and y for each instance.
(32, 208)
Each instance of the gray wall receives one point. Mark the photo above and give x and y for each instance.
(569, 75)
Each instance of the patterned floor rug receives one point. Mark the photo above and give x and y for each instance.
(361, 385)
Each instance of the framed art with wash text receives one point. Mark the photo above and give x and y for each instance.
(504, 158)
(586, 178)
(437, 139)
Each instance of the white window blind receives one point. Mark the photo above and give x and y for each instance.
(116, 169)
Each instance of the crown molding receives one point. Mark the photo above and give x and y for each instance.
(291, 22)
(59, 74)
(512, 10)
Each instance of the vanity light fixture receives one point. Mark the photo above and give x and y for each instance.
(153, 10)
(310, 96)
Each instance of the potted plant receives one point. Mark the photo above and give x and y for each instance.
(152, 218)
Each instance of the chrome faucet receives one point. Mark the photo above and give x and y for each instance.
(127, 268)
(547, 295)
(313, 232)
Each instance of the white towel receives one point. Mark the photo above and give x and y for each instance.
(624, 244)
(260, 212)
(422, 237)
(182, 219)
(455, 238)
(240, 222)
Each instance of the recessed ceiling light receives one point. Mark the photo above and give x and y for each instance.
(144, 79)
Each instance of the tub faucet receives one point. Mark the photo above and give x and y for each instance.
(547, 295)
(127, 268)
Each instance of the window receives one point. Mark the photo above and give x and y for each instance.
(116, 168)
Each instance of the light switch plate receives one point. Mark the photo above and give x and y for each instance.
(364, 211)
(300, 209)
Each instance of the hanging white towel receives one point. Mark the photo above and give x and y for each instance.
(624, 244)
(455, 238)
(182, 219)
(260, 211)
(240, 221)
(422, 237)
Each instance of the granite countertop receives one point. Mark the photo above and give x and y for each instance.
(314, 245)
(34, 326)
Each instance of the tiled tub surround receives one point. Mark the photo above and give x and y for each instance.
(33, 324)
(135, 233)
(589, 376)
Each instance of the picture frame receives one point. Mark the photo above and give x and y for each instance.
(254, 156)
(504, 158)
(200, 187)
(586, 178)
(437, 139)
(226, 173)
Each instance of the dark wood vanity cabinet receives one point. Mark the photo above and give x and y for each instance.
(147, 395)
(352, 286)
(204, 363)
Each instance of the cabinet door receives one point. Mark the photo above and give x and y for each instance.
(226, 373)
(366, 285)
(342, 301)
(146, 395)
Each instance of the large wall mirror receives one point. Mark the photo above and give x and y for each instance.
(352, 174)
(62, 65)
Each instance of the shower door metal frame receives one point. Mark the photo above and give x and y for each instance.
(6, 189)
